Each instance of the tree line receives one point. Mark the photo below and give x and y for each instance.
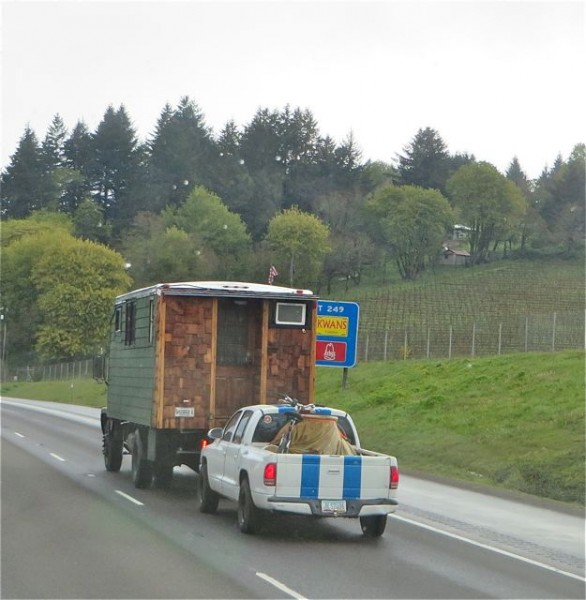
(188, 204)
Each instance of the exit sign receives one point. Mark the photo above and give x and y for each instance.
(337, 333)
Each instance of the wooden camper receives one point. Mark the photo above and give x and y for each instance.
(187, 355)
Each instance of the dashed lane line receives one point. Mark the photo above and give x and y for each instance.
(281, 586)
(130, 498)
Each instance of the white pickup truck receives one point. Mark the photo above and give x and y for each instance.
(302, 459)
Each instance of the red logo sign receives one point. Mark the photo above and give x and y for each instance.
(331, 351)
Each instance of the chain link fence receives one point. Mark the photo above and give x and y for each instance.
(480, 337)
(65, 371)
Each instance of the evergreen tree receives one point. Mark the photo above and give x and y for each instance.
(24, 181)
(77, 157)
(425, 162)
(116, 168)
(181, 154)
(53, 146)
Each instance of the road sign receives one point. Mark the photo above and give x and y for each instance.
(337, 333)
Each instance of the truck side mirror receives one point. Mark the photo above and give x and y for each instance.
(215, 433)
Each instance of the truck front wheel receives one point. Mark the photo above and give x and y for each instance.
(373, 526)
(112, 447)
(142, 469)
(248, 513)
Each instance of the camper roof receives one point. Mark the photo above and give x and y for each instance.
(233, 289)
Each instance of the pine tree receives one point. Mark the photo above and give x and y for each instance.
(77, 157)
(116, 168)
(181, 154)
(24, 181)
(53, 146)
(425, 161)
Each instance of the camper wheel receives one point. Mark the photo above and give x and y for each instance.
(142, 468)
(112, 445)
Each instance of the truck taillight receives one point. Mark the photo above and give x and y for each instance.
(394, 478)
(270, 474)
(203, 443)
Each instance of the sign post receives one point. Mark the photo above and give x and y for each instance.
(337, 335)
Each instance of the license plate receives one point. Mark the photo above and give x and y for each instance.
(184, 411)
(333, 506)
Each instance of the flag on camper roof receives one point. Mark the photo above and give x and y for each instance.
(272, 274)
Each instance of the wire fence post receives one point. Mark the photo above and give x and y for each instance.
(385, 346)
(366, 348)
(405, 347)
(526, 333)
(473, 338)
(450, 343)
(553, 333)
(428, 342)
(500, 337)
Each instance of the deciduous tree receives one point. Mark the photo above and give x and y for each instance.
(490, 204)
(412, 221)
(300, 242)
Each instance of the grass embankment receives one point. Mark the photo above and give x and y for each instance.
(514, 421)
(86, 392)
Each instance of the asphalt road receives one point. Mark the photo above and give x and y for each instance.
(72, 530)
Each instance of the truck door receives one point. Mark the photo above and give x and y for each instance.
(233, 451)
(239, 324)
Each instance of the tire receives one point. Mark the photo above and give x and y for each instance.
(373, 526)
(163, 475)
(112, 447)
(248, 514)
(207, 499)
(142, 469)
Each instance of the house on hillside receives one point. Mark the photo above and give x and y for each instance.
(453, 258)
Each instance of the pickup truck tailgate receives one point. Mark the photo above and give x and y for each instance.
(332, 477)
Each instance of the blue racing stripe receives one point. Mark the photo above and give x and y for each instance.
(310, 476)
(322, 411)
(352, 476)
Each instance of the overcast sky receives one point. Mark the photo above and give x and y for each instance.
(496, 79)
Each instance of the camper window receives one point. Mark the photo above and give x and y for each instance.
(130, 325)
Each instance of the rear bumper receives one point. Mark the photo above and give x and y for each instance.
(354, 508)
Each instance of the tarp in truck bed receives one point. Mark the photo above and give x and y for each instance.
(316, 435)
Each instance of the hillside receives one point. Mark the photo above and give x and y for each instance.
(506, 306)
(515, 422)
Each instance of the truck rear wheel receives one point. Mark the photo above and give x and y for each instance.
(112, 445)
(373, 526)
(206, 497)
(142, 469)
(248, 513)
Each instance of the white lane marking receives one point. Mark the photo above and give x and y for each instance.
(134, 500)
(57, 457)
(18, 434)
(492, 548)
(281, 586)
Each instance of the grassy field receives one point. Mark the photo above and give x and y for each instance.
(514, 421)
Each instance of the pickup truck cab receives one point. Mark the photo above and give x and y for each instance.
(301, 459)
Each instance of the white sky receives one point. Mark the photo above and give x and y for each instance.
(496, 79)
